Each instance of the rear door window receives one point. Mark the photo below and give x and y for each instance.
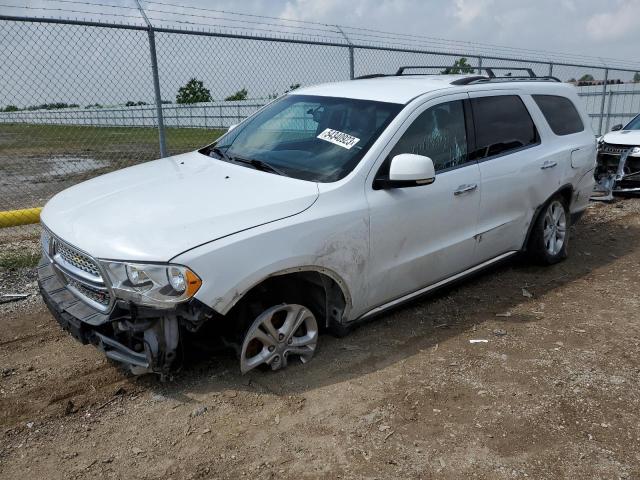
(560, 113)
(502, 125)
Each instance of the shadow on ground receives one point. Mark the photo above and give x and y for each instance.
(419, 325)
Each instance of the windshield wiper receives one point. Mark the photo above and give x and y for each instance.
(221, 153)
(259, 165)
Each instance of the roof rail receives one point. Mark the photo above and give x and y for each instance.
(482, 79)
(372, 75)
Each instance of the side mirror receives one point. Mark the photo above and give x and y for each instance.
(617, 127)
(408, 170)
(231, 127)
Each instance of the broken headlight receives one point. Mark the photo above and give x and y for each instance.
(154, 285)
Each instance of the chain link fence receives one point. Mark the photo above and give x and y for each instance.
(81, 98)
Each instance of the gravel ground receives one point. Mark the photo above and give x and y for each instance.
(551, 394)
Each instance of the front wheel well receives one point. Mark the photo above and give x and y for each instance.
(316, 290)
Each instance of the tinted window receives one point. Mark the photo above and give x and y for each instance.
(309, 137)
(438, 133)
(561, 114)
(633, 124)
(502, 124)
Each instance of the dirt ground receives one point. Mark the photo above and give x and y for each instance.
(553, 393)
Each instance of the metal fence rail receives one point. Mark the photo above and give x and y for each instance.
(66, 85)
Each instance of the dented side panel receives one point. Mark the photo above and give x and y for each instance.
(231, 266)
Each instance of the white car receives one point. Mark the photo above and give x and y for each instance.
(618, 166)
(329, 205)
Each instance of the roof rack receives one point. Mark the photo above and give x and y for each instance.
(489, 70)
(489, 77)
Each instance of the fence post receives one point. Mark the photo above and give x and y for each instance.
(156, 81)
(351, 59)
(550, 69)
(479, 65)
(606, 127)
(604, 94)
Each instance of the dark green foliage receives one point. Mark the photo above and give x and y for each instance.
(459, 66)
(239, 95)
(193, 92)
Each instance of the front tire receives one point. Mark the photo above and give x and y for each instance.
(278, 334)
(549, 239)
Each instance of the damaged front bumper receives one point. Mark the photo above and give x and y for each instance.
(617, 172)
(141, 338)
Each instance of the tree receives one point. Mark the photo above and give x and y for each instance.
(293, 86)
(572, 80)
(636, 77)
(10, 108)
(239, 95)
(587, 77)
(193, 92)
(459, 66)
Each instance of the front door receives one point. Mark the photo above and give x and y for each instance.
(420, 235)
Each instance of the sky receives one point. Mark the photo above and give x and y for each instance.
(601, 28)
(598, 28)
(45, 62)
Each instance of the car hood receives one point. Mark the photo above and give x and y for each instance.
(623, 137)
(157, 210)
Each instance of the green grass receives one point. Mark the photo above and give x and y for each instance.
(16, 139)
(17, 260)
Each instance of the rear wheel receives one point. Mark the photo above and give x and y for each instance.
(549, 239)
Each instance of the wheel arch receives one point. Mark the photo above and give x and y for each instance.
(337, 299)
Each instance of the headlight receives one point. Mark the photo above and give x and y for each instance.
(635, 151)
(155, 285)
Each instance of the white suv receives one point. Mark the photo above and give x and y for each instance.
(327, 206)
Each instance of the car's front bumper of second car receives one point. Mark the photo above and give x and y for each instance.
(141, 338)
(617, 172)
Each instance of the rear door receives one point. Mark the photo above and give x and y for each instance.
(515, 176)
(570, 140)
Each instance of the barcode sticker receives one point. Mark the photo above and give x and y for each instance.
(338, 138)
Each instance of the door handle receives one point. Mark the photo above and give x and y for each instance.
(548, 164)
(466, 188)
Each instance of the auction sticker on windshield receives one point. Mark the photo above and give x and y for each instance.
(338, 138)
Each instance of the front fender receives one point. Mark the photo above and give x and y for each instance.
(337, 246)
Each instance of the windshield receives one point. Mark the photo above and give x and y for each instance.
(314, 138)
(633, 124)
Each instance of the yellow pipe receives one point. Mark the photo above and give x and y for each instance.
(13, 218)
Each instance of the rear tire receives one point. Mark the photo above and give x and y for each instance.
(549, 239)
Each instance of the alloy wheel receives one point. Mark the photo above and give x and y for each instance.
(555, 228)
(277, 335)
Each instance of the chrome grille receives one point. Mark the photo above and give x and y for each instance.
(614, 149)
(99, 296)
(76, 258)
(45, 240)
(78, 271)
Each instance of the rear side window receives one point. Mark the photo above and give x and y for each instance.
(503, 124)
(561, 114)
